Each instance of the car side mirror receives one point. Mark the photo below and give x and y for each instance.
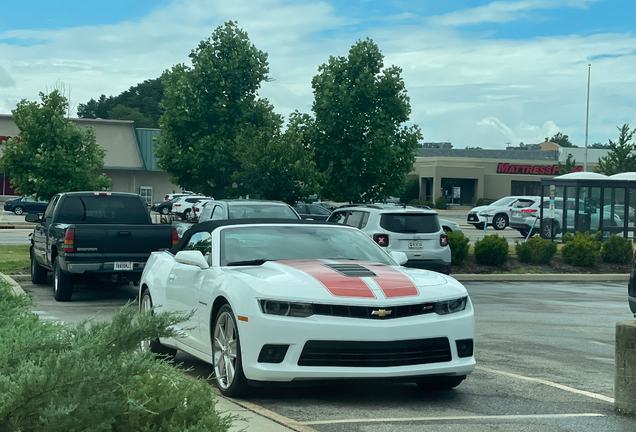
(32, 217)
(192, 257)
(399, 257)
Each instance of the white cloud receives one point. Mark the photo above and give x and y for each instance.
(453, 82)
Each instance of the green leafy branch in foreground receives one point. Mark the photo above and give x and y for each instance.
(91, 377)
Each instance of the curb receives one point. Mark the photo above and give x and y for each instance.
(17, 289)
(550, 277)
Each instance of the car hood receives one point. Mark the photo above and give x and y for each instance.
(480, 209)
(346, 282)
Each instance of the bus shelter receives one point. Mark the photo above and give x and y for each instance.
(583, 201)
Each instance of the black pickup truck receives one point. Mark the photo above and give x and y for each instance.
(108, 235)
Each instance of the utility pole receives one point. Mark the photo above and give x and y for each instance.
(587, 114)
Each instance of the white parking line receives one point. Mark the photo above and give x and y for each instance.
(450, 418)
(550, 383)
(601, 343)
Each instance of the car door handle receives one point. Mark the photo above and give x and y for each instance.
(124, 233)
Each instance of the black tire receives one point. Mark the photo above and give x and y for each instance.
(479, 226)
(18, 210)
(62, 283)
(524, 233)
(441, 383)
(500, 222)
(235, 384)
(186, 215)
(165, 211)
(38, 273)
(154, 346)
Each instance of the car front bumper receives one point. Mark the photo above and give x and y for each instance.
(439, 266)
(296, 332)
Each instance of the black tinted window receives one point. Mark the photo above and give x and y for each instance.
(103, 210)
(410, 223)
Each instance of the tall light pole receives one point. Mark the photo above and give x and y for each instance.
(587, 114)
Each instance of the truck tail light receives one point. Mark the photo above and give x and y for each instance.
(175, 237)
(530, 211)
(443, 240)
(381, 239)
(69, 240)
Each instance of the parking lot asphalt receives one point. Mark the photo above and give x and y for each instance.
(545, 355)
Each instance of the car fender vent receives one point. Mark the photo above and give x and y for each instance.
(351, 270)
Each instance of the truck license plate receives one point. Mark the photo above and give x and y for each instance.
(415, 245)
(124, 265)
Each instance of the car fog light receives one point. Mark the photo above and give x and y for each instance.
(464, 347)
(272, 353)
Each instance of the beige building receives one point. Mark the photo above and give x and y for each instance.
(129, 161)
(463, 176)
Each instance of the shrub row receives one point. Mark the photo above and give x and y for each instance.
(91, 376)
(580, 249)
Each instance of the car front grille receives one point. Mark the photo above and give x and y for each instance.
(375, 354)
(368, 311)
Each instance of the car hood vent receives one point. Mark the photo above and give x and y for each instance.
(351, 270)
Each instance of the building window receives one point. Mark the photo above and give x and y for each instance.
(525, 188)
(146, 194)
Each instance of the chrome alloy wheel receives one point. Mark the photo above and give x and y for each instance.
(224, 350)
(146, 306)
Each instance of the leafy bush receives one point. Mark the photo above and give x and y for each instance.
(440, 203)
(567, 237)
(491, 250)
(536, 250)
(458, 244)
(92, 377)
(419, 202)
(411, 188)
(617, 249)
(581, 251)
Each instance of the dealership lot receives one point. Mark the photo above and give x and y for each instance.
(545, 354)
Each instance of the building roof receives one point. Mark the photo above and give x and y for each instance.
(549, 155)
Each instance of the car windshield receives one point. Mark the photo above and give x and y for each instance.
(298, 242)
(410, 223)
(503, 202)
(261, 211)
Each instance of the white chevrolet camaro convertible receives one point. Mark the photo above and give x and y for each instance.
(282, 301)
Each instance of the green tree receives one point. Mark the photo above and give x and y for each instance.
(598, 145)
(568, 166)
(621, 156)
(52, 154)
(359, 137)
(275, 166)
(143, 103)
(207, 105)
(561, 139)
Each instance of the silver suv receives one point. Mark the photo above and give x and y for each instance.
(498, 213)
(414, 231)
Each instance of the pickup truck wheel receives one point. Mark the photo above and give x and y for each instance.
(18, 210)
(153, 345)
(62, 283)
(38, 273)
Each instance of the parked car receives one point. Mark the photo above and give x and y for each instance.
(25, 205)
(619, 209)
(305, 300)
(106, 234)
(416, 232)
(312, 211)
(326, 205)
(198, 207)
(241, 209)
(498, 213)
(182, 206)
(524, 218)
(164, 207)
(450, 226)
(170, 197)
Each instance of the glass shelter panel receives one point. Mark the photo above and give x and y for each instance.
(570, 197)
(589, 209)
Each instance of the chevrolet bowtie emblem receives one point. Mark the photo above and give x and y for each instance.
(381, 312)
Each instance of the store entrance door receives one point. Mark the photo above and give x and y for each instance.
(459, 191)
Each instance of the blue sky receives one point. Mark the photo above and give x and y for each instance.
(478, 72)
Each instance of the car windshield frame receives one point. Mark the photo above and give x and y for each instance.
(298, 242)
(503, 202)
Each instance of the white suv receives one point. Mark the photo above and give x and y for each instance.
(182, 206)
(416, 232)
(498, 213)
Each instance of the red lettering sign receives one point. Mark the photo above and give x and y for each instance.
(506, 168)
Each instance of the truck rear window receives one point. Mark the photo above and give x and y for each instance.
(103, 210)
(410, 223)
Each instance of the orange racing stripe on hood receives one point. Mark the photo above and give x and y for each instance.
(393, 282)
(336, 283)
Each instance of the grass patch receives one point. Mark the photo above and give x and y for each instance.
(522, 270)
(14, 258)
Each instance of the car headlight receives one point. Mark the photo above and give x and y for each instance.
(284, 308)
(456, 226)
(451, 306)
(484, 213)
